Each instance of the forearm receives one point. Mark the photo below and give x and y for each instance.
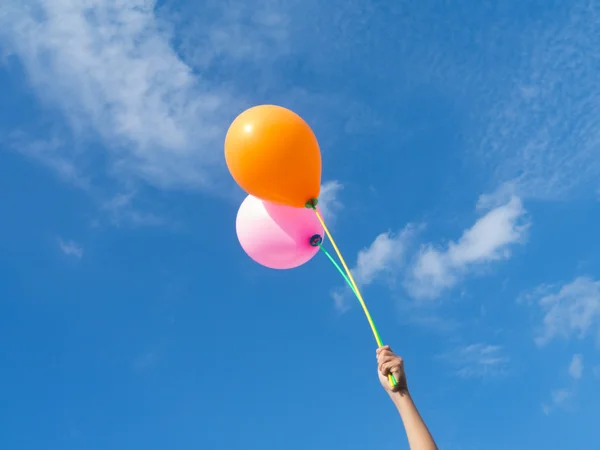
(419, 437)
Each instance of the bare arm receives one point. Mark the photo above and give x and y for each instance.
(419, 437)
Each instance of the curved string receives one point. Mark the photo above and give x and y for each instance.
(350, 280)
(337, 266)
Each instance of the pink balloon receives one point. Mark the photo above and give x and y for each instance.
(277, 236)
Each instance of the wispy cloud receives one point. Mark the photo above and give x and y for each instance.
(48, 152)
(109, 67)
(70, 248)
(560, 397)
(122, 211)
(544, 130)
(433, 270)
(238, 31)
(478, 361)
(329, 201)
(384, 257)
(569, 311)
(489, 239)
(576, 367)
(340, 300)
(383, 260)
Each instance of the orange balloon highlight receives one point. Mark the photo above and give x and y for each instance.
(274, 155)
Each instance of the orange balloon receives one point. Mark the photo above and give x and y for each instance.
(274, 155)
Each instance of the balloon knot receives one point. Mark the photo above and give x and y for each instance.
(312, 203)
(316, 240)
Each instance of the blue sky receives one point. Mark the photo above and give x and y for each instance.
(461, 163)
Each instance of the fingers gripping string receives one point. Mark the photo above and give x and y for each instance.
(347, 276)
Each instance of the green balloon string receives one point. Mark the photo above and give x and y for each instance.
(392, 378)
(337, 266)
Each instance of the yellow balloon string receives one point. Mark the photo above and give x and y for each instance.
(391, 377)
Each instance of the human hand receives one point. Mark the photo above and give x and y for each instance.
(390, 363)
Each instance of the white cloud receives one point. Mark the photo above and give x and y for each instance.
(558, 398)
(384, 256)
(121, 211)
(329, 201)
(576, 367)
(434, 271)
(570, 311)
(238, 31)
(48, 152)
(543, 131)
(383, 259)
(499, 197)
(340, 301)
(70, 248)
(109, 67)
(489, 239)
(478, 360)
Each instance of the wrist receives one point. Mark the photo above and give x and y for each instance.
(401, 398)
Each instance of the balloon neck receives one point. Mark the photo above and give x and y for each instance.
(312, 203)
(316, 240)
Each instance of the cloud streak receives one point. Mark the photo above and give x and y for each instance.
(433, 270)
(478, 361)
(569, 311)
(544, 131)
(559, 398)
(385, 256)
(383, 260)
(489, 239)
(70, 248)
(576, 367)
(329, 201)
(109, 68)
(121, 210)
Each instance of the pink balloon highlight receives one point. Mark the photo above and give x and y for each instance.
(277, 236)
